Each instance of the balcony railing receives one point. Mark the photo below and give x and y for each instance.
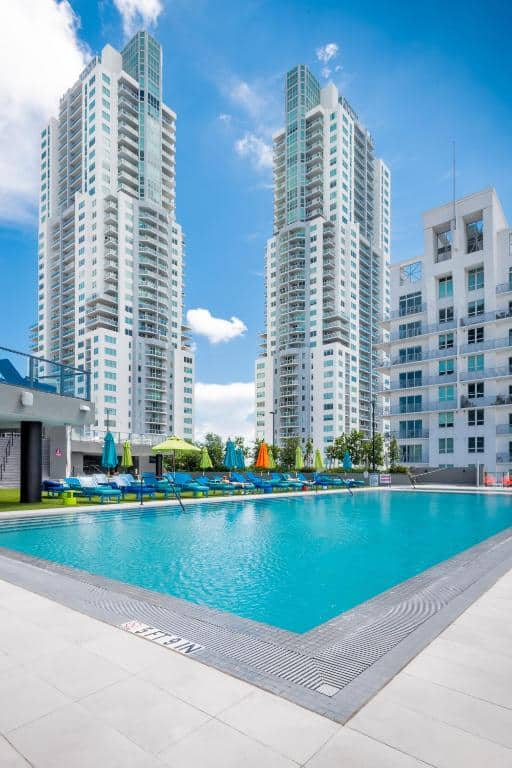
(486, 317)
(478, 346)
(416, 310)
(486, 373)
(419, 434)
(425, 381)
(423, 407)
(504, 287)
(504, 458)
(21, 370)
(504, 429)
(483, 402)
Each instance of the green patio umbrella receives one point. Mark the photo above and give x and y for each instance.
(299, 458)
(127, 458)
(318, 463)
(109, 455)
(271, 460)
(205, 462)
(174, 444)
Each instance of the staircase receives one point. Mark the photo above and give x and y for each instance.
(9, 459)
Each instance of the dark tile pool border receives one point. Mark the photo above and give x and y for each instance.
(333, 669)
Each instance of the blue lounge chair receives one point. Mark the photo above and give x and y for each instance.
(127, 483)
(327, 481)
(54, 488)
(264, 483)
(182, 481)
(285, 478)
(247, 485)
(85, 486)
(304, 480)
(217, 484)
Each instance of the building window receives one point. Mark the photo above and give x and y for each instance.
(446, 445)
(446, 392)
(476, 390)
(443, 245)
(476, 335)
(407, 330)
(411, 273)
(446, 341)
(410, 304)
(446, 367)
(409, 354)
(476, 308)
(475, 279)
(410, 379)
(408, 429)
(475, 235)
(446, 419)
(475, 363)
(445, 287)
(476, 445)
(476, 417)
(410, 404)
(411, 454)
(446, 315)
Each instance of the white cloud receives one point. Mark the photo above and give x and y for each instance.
(227, 409)
(256, 150)
(225, 118)
(216, 329)
(325, 72)
(247, 97)
(327, 52)
(40, 58)
(138, 13)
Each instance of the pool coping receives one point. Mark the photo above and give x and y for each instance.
(333, 669)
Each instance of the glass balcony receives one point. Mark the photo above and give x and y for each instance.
(504, 458)
(424, 407)
(484, 402)
(21, 370)
(407, 312)
(486, 317)
(418, 434)
(486, 373)
(504, 429)
(504, 287)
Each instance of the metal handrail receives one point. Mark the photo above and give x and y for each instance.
(7, 453)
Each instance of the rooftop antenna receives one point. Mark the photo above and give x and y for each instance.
(453, 185)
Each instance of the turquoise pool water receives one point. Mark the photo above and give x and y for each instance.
(290, 562)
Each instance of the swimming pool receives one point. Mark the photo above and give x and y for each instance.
(291, 562)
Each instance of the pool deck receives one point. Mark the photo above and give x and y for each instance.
(76, 692)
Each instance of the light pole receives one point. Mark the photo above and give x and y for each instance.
(273, 414)
(373, 435)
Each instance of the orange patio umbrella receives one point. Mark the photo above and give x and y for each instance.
(262, 460)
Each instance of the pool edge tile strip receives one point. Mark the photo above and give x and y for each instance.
(333, 669)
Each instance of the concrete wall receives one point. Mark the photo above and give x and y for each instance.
(49, 408)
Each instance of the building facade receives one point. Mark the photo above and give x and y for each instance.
(326, 270)
(111, 253)
(447, 344)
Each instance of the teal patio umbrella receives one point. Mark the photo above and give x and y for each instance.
(240, 459)
(230, 461)
(347, 462)
(109, 456)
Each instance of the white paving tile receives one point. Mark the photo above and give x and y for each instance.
(24, 641)
(458, 709)
(426, 739)
(463, 653)
(7, 662)
(147, 715)
(9, 757)
(72, 738)
(350, 749)
(474, 681)
(483, 632)
(203, 687)
(294, 732)
(215, 745)
(76, 672)
(132, 653)
(24, 698)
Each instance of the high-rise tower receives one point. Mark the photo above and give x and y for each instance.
(326, 270)
(111, 253)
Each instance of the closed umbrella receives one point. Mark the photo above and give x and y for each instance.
(127, 458)
(318, 463)
(205, 462)
(109, 456)
(262, 457)
(230, 459)
(347, 462)
(299, 458)
(174, 445)
(271, 460)
(240, 459)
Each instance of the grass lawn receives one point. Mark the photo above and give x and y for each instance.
(10, 501)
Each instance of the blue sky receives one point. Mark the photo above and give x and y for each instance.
(419, 75)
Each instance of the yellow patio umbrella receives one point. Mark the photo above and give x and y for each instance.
(174, 444)
(271, 460)
(318, 463)
(127, 458)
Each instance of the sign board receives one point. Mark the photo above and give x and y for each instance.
(58, 452)
(374, 480)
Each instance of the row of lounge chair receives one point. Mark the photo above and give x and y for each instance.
(116, 487)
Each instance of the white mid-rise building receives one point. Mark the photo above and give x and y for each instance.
(447, 343)
(326, 270)
(111, 253)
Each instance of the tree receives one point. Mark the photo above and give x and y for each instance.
(215, 448)
(339, 447)
(308, 452)
(394, 453)
(276, 453)
(287, 453)
(355, 446)
(376, 445)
